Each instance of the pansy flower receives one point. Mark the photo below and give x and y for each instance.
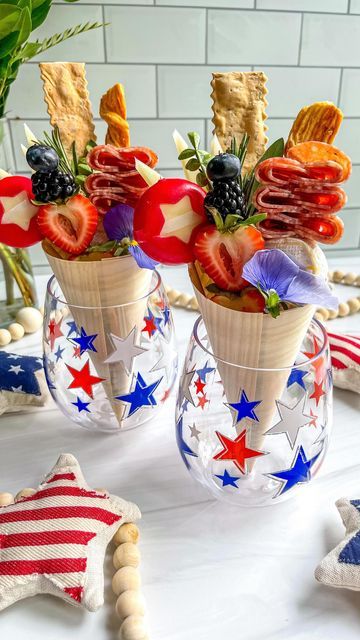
(280, 280)
(119, 226)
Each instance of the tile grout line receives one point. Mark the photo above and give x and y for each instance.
(156, 91)
(300, 39)
(202, 64)
(348, 7)
(103, 30)
(13, 148)
(206, 34)
(340, 85)
(204, 6)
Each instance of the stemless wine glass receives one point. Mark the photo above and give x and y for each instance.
(109, 368)
(239, 451)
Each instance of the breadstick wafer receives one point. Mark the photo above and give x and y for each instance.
(239, 107)
(68, 104)
(113, 111)
(319, 121)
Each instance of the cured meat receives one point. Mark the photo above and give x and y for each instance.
(115, 178)
(322, 229)
(281, 171)
(301, 201)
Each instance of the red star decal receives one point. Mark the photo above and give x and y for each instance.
(150, 326)
(318, 364)
(202, 402)
(83, 379)
(54, 332)
(166, 395)
(312, 422)
(199, 386)
(318, 392)
(236, 450)
(160, 304)
(76, 353)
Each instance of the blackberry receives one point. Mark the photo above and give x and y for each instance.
(227, 197)
(55, 185)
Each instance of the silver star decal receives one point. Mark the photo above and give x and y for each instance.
(292, 420)
(125, 350)
(51, 366)
(322, 435)
(185, 382)
(194, 432)
(168, 355)
(15, 368)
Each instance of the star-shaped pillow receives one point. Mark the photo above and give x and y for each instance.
(55, 540)
(341, 567)
(22, 382)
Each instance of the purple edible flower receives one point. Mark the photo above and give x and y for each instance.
(281, 280)
(119, 225)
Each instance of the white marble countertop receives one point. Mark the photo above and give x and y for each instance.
(209, 570)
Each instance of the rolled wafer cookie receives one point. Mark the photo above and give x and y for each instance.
(319, 121)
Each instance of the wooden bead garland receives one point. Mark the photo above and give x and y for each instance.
(130, 604)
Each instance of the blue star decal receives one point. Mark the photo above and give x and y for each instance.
(17, 373)
(166, 314)
(244, 408)
(227, 479)
(72, 328)
(58, 354)
(297, 377)
(86, 342)
(80, 405)
(49, 382)
(53, 304)
(141, 396)
(299, 472)
(183, 447)
(202, 373)
(185, 404)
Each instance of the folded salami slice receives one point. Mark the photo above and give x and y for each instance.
(282, 171)
(300, 201)
(115, 179)
(326, 229)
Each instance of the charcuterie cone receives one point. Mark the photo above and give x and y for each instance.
(246, 343)
(105, 297)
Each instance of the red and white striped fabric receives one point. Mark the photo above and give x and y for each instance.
(345, 360)
(55, 540)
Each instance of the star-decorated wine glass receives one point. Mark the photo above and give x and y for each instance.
(254, 436)
(110, 368)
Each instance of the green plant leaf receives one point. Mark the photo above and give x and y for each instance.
(194, 139)
(9, 16)
(68, 33)
(201, 179)
(193, 164)
(187, 153)
(276, 150)
(255, 219)
(28, 51)
(23, 26)
(39, 12)
(8, 44)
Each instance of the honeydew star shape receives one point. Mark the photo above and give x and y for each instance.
(54, 541)
(236, 450)
(125, 350)
(85, 341)
(244, 408)
(18, 210)
(168, 355)
(83, 379)
(141, 396)
(292, 420)
(179, 219)
(184, 448)
(298, 473)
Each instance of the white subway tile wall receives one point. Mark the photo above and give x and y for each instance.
(164, 51)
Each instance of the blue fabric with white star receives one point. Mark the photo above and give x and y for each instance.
(141, 396)
(17, 373)
(351, 552)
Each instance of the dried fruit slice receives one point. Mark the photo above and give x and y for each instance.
(311, 151)
(319, 121)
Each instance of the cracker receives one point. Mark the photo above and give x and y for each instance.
(68, 104)
(113, 111)
(239, 104)
(319, 122)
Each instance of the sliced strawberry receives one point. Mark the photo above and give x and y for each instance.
(70, 226)
(224, 253)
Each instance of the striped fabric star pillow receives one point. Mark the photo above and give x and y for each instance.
(55, 540)
(345, 360)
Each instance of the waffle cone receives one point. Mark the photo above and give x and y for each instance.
(257, 341)
(100, 286)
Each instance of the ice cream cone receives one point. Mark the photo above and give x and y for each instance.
(105, 297)
(256, 341)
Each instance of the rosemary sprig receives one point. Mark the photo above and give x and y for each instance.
(27, 52)
(54, 141)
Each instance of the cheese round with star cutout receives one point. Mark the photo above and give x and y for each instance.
(18, 226)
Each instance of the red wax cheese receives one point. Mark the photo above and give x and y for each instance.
(18, 225)
(167, 217)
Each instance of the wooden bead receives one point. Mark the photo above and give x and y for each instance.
(350, 277)
(338, 276)
(324, 313)
(130, 603)
(333, 314)
(133, 628)
(343, 309)
(124, 579)
(102, 490)
(127, 533)
(24, 493)
(30, 318)
(6, 499)
(16, 330)
(126, 555)
(357, 282)
(5, 337)
(318, 316)
(354, 305)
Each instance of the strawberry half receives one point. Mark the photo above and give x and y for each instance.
(224, 253)
(70, 226)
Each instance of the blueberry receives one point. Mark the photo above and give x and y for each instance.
(223, 167)
(42, 159)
